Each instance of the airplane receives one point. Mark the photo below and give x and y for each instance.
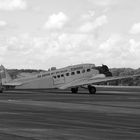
(70, 77)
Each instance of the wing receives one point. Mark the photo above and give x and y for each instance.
(12, 84)
(94, 80)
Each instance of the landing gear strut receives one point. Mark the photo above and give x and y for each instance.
(92, 89)
(74, 90)
(1, 90)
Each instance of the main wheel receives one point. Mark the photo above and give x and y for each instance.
(1, 91)
(92, 89)
(74, 90)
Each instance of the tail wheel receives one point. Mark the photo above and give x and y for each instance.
(74, 90)
(92, 89)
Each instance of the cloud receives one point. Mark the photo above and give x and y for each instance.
(134, 47)
(117, 51)
(89, 15)
(62, 49)
(2, 50)
(132, 57)
(33, 52)
(30, 52)
(3, 23)
(135, 29)
(9, 5)
(103, 2)
(91, 25)
(65, 48)
(56, 21)
(112, 46)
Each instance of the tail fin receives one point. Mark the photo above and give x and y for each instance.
(4, 75)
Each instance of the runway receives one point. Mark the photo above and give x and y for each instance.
(60, 115)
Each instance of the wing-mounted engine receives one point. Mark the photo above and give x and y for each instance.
(104, 70)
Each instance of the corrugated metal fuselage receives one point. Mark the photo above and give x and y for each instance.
(57, 78)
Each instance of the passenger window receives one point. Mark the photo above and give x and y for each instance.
(72, 73)
(62, 75)
(67, 74)
(88, 70)
(83, 71)
(58, 76)
(54, 77)
(78, 72)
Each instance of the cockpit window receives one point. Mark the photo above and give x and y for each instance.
(72, 73)
(67, 74)
(78, 72)
(54, 77)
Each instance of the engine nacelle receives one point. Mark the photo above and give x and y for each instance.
(104, 70)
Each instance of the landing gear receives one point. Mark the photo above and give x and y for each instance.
(92, 89)
(74, 90)
(1, 90)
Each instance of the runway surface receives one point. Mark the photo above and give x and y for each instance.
(59, 115)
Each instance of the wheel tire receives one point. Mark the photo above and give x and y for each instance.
(92, 89)
(1, 91)
(74, 90)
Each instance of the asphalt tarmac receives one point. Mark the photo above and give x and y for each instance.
(60, 115)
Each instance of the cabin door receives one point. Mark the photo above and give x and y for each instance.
(59, 80)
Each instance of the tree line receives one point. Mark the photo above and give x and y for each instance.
(124, 72)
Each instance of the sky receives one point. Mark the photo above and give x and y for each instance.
(39, 34)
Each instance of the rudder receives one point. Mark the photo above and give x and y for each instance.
(4, 75)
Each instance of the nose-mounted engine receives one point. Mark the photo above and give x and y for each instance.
(104, 70)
